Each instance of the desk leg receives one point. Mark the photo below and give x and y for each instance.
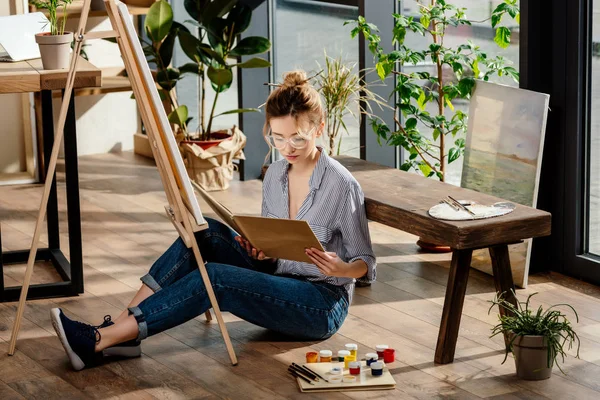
(73, 205)
(503, 277)
(48, 132)
(453, 304)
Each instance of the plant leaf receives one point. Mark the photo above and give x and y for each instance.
(179, 115)
(189, 68)
(453, 155)
(502, 37)
(239, 18)
(238, 111)
(255, 62)
(220, 76)
(425, 169)
(411, 123)
(251, 45)
(159, 20)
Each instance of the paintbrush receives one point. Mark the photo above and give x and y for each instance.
(458, 204)
(298, 375)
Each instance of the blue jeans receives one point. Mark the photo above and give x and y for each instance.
(243, 286)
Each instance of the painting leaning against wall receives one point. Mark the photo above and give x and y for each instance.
(503, 156)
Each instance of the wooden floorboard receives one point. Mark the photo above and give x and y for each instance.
(125, 230)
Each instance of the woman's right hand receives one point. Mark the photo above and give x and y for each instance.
(252, 252)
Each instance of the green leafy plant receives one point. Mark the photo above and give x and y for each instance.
(56, 27)
(342, 90)
(467, 62)
(214, 52)
(522, 320)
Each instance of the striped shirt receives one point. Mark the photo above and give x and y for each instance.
(334, 208)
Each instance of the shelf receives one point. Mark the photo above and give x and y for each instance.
(74, 10)
(113, 81)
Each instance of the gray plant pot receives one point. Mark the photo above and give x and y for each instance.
(531, 357)
(55, 49)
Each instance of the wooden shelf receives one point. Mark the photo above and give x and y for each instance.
(74, 10)
(113, 81)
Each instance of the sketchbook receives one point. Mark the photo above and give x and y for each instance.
(276, 237)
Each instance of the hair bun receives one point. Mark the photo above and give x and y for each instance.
(294, 78)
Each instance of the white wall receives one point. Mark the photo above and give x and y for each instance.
(105, 123)
(12, 150)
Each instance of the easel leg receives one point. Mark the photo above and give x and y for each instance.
(208, 315)
(453, 304)
(214, 303)
(503, 277)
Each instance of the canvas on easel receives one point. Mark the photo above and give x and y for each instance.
(183, 207)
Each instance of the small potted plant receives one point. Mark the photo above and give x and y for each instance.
(536, 337)
(55, 46)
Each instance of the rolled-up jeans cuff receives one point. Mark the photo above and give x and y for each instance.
(141, 320)
(149, 281)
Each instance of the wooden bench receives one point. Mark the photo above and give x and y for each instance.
(401, 200)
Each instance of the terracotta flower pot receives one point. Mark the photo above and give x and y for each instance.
(54, 49)
(139, 3)
(531, 357)
(217, 136)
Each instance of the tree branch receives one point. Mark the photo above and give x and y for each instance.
(415, 146)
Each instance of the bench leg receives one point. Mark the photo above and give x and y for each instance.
(503, 276)
(453, 304)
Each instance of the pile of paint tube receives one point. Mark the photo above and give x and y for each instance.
(349, 357)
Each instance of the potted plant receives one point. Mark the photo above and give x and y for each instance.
(55, 46)
(536, 337)
(214, 53)
(342, 90)
(432, 130)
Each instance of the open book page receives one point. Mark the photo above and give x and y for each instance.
(223, 212)
(277, 238)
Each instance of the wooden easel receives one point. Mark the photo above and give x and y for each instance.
(178, 208)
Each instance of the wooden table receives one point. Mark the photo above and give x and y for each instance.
(401, 200)
(29, 76)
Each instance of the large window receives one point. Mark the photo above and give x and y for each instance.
(303, 30)
(594, 126)
(482, 34)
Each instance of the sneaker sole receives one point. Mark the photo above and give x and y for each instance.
(76, 362)
(123, 351)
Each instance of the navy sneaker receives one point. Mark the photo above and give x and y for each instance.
(78, 339)
(131, 348)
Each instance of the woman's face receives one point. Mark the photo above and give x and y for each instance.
(296, 141)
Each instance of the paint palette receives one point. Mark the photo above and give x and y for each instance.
(444, 211)
(364, 381)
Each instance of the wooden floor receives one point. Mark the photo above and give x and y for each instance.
(125, 230)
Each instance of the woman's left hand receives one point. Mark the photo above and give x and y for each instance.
(328, 262)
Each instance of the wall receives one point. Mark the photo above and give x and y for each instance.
(105, 123)
(12, 150)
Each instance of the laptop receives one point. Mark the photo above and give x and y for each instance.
(17, 36)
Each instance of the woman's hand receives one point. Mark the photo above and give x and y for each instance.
(328, 262)
(252, 252)
(331, 265)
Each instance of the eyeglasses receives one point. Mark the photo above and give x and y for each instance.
(279, 142)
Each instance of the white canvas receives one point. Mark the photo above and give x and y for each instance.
(180, 172)
(503, 156)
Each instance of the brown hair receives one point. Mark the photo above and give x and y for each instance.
(295, 97)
